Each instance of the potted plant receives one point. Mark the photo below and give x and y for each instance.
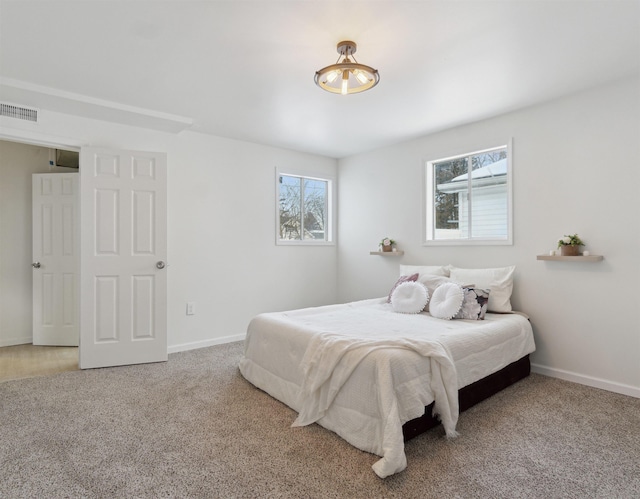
(387, 244)
(570, 245)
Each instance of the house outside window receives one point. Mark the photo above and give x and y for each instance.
(468, 198)
(304, 209)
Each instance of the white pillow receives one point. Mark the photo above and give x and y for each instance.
(409, 297)
(499, 281)
(446, 300)
(424, 270)
(433, 281)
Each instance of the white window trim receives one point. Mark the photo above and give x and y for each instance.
(331, 204)
(427, 197)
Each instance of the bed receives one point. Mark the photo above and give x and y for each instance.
(377, 377)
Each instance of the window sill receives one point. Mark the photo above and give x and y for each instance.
(305, 243)
(387, 253)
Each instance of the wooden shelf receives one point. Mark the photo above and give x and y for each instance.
(387, 253)
(581, 258)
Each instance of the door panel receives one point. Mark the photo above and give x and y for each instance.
(56, 259)
(123, 238)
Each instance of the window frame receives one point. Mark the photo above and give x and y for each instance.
(428, 211)
(331, 206)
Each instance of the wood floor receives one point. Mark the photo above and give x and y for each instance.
(27, 361)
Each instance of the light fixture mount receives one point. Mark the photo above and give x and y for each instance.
(347, 48)
(347, 76)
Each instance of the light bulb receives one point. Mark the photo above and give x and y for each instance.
(362, 77)
(331, 77)
(345, 82)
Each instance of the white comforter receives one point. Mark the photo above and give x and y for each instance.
(362, 370)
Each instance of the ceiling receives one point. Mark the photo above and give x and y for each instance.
(244, 69)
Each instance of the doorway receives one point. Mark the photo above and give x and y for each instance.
(123, 307)
(18, 357)
(18, 162)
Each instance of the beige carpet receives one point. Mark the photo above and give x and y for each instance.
(193, 427)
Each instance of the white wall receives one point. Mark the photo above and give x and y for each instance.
(576, 168)
(221, 226)
(223, 254)
(17, 163)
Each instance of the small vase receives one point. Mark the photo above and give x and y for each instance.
(386, 249)
(569, 250)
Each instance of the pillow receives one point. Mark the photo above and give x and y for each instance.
(498, 281)
(446, 300)
(433, 281)
(424, 269)
(474, 304)
(409, 297)
(403, 278)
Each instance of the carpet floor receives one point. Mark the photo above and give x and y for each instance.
(193, 427)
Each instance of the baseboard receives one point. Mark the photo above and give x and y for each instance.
(183, 347)
(10, 342)
(610, 386)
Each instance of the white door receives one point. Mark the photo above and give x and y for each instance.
(123, 279)
(55, 258)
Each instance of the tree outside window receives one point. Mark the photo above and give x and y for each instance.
(304, 208)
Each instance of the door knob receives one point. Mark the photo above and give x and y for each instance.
(36, 265)
(160, 265)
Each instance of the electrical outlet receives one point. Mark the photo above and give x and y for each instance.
(191, 308)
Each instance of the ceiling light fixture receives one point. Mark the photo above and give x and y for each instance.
(346, 76)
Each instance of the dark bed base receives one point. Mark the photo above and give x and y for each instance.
(470, 395)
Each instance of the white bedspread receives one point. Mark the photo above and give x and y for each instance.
(362, 370)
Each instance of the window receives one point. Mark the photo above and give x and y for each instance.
(304, 211)
(468, 198)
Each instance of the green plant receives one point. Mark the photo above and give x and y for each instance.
(572, 240)
(387, 242)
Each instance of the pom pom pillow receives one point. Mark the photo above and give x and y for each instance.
(432, 282)
(403, 278)
(446, 301)
(409, 297)
(429, 275)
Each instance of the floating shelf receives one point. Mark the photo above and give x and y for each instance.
(581, 258)
(387, 253)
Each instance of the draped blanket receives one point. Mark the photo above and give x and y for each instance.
(331, 358)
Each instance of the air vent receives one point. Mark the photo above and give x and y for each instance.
(19, 112)
(68, 159)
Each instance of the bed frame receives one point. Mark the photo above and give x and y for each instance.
(470, 395)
